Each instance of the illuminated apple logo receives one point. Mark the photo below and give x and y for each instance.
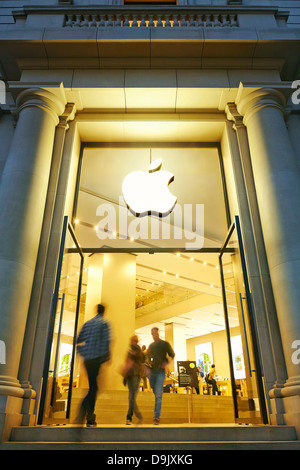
(148, 192)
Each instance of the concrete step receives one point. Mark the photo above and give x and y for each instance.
(207, 425)
(163, 437)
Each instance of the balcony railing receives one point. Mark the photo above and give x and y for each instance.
(146, 18)
(151, 16)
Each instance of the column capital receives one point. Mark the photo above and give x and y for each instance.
(248, 104)
(232, 114)
(43, 99)
(50, 97)
(67, 115)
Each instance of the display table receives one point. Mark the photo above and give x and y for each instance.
(224, 387)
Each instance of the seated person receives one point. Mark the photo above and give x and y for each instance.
(210, 379)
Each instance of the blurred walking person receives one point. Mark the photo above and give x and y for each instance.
(93, 344)
(132, 373)
(157, 361)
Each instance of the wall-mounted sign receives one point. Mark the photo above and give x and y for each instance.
(148, 192)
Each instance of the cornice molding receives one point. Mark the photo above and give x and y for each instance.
(68, 9)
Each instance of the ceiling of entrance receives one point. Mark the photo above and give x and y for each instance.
(183, 288)
(179, 288)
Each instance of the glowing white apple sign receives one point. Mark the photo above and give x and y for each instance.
(148, 192)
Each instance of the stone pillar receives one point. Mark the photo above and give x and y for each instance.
(94, 284)
(263, 298)
(51, 260)
(30, 332)
(277, 183)
(93, 298)
(23, 194)
(175, 334)
(118, 296)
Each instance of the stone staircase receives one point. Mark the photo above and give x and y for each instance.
(188, 423)
(166, 438)
(111, 408)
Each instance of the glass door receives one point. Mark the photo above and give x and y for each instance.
(58, 375)
(245, 369)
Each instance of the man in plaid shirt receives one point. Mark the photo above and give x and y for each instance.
(93, 344)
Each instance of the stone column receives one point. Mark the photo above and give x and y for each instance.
(277, 183)
(51, 260)
(118, 295)
(94, 284)
(23, 194)
(175, 334)
(258, 270)
(32, 319)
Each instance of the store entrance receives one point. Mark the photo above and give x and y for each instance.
(203, 304)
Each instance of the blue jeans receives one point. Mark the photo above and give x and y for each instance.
(157, 378)
(88, 404)
(133, 387)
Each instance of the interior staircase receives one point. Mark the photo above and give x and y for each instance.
(111, 408)
(188, 423)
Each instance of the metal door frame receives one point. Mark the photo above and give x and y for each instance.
(252, 323)
(53, 309)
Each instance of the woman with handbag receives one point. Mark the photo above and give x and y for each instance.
(132, 373)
